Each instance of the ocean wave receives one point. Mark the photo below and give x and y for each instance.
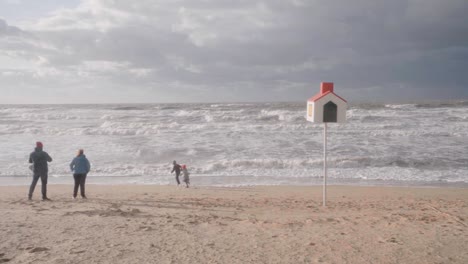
(442, 104)
(367, 106)
(48, 116)
(398, 161)
(127, 108)
(228, 105)
(259, 164)
(372, 119)
(401, 106)
(453, 104)
(280, 115)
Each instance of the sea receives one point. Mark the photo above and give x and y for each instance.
(240, 144)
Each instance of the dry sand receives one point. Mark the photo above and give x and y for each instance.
(165, 224)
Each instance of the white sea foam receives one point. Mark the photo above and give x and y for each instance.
(235, 144)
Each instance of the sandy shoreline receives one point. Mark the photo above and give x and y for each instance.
(233, 181)
(285, 224)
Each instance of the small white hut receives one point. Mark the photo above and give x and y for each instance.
(326, 106)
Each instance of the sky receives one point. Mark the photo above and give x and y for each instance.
(170, 51)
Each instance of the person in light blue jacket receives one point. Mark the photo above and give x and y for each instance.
(80, 167)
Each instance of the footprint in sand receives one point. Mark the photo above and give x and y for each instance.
(393, 240)
(77, 252)
(2, 259)
(146, 228)
(38, 249)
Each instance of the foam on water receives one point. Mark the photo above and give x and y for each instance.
(235, 144)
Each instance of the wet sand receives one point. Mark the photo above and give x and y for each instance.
(286, 224)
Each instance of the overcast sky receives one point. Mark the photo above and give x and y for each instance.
(112, 51)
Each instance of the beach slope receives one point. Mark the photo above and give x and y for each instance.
(165, 224)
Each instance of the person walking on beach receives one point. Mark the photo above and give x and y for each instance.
(176, 168)
(186, 176)
(39, 159)
(80, 167)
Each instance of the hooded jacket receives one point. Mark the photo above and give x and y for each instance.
(80, 165)
(39, 158)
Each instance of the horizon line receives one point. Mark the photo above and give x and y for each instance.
(255, 102)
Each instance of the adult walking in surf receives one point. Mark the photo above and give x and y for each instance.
(176, 169)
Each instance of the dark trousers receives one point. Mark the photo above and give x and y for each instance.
(177, 174)
(80, 180)
(36, 177)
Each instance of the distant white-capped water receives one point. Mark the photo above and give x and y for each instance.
(240, 144)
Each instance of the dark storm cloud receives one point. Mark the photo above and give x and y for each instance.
(252, 50)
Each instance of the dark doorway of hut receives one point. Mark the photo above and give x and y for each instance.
(330, 112)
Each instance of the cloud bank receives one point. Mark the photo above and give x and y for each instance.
(219, 50)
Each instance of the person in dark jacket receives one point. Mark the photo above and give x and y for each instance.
(176, 168)
(80, 167)
(39, 159)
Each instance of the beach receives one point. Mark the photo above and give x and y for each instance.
(260, 224)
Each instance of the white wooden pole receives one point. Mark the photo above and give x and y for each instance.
(325, 164)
